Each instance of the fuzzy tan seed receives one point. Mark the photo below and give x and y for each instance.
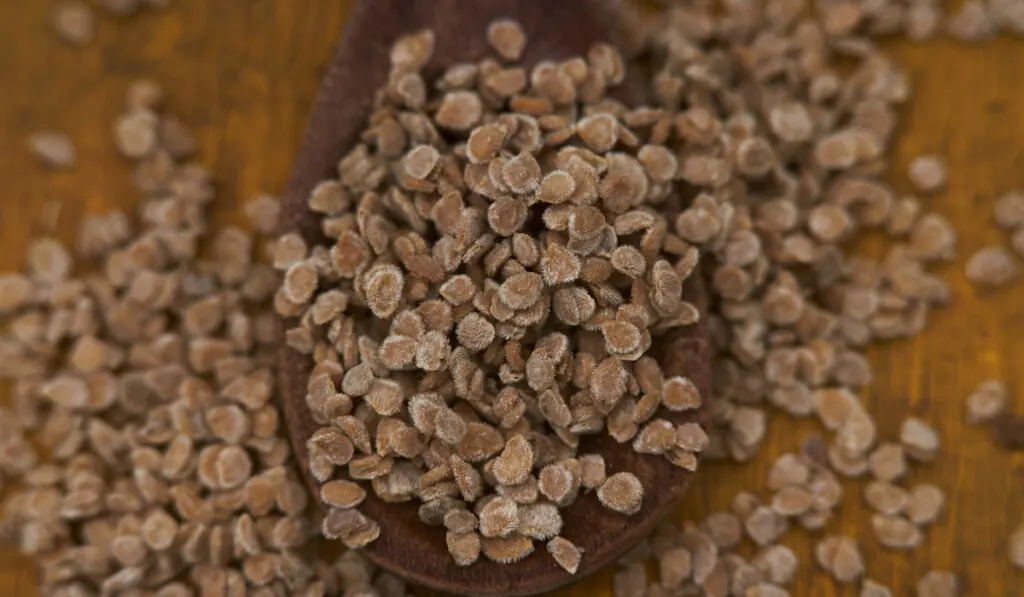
(499, 517)
(420, 161)
(621, 492)
(342, 494)
(507, 550)
(680, 394)
(464, 547)
(514, 464)
(507, 38)
(567, 555)
(383, 287)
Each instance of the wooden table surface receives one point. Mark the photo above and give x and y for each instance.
(243, 73)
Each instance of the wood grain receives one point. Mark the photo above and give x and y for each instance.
(244, 72)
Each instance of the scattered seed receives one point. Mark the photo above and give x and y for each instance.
(992, 266)
(1016, 548)
(886, 498)
(986, 402)
(765, 526)
(158, 403)
(53, 148)
(74, 22)
(870, 588)
(1009, 211)
(136, 133)
(841, 557)
(586, 268)
(926, 503)
(895, 532)
(938, 583)
(927, 173)
(777, 563)
(887, 462)
(920, 441)
(674, 567)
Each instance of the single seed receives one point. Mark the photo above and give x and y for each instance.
(927, 173)
(74, 22)
(621, 492)
(53, 148)
(567, 555)
(992, 266)
(938, 583)
(507, 38)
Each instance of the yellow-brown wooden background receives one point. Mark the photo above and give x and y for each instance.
(243, 73)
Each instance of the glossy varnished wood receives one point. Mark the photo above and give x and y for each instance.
(245, 73)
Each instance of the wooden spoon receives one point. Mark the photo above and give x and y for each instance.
(407, 546)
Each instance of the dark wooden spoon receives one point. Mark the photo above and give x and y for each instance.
(406, 546)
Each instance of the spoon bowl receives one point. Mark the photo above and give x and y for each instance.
(406, 546)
